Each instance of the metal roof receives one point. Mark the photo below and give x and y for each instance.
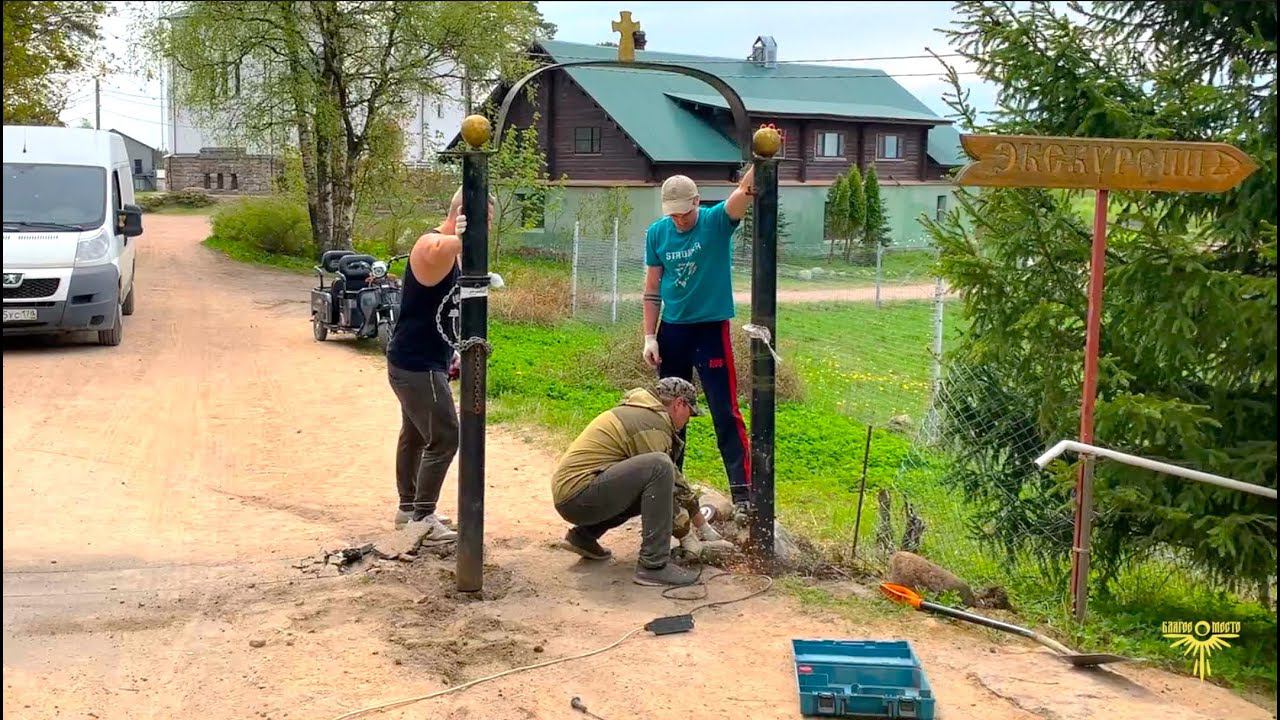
(655, 108)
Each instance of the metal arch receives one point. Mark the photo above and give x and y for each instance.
(741, 126)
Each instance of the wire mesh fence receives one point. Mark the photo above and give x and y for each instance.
(866, 337)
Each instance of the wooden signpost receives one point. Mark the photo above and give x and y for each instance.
(1100, 165)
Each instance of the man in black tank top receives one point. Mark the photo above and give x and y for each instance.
(419, 357)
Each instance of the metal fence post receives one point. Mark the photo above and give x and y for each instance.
(764, 314)
(614, 311)
(937, 336)
(879, 264)
(473, 290)
(573, 278)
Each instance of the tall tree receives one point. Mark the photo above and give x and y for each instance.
(329, 76)
(855, 218)
(43, 43)
(877, 218)
(1188, 354)
(837, 212)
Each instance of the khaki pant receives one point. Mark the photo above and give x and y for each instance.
(641, 485)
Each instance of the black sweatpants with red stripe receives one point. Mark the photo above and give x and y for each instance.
(707, 347)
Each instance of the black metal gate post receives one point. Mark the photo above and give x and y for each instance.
(473, 289)
(764, 309)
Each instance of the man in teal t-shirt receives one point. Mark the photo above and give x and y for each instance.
(688, 254)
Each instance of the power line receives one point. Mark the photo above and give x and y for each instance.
(729, 61)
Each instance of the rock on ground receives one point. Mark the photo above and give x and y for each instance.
(919, 574)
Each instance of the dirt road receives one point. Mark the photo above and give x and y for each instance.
(157, 493)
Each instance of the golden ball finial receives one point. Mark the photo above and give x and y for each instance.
(767, 141)
(476, 130)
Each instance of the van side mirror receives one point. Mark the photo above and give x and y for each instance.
(129, 221)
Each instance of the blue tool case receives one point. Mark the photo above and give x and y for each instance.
(861, 679)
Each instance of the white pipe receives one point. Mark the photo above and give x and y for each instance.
(1155, 465)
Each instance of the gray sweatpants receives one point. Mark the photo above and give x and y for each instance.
(642, 486)
(428, 437)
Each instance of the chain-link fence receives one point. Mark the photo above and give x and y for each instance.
(865, 334)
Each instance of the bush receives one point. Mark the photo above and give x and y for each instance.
(190, 197)
(622, 364)
(532, 296)
(151, 202)
(274, 225)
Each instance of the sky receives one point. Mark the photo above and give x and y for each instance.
(803, 31)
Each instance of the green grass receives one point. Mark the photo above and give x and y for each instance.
(897, 267)
(247, 253)
(858, 365)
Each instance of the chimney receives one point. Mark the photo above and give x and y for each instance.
(638, 38)
(764, 52)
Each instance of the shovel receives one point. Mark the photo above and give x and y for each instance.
(907, 596)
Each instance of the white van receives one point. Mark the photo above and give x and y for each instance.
(69, 228)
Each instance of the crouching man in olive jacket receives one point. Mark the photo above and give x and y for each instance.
(623, 465)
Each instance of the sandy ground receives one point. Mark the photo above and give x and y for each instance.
(157, 493)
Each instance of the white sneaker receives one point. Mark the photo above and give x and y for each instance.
(430, 529)
(404, 517)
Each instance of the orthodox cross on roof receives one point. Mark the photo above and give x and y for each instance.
(627, 43)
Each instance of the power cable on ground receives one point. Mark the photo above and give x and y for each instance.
(631, 633)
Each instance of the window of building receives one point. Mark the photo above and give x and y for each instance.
(586, 141)
(942, 207)
(439, 110)
(229, 79)
(235, 182)
(219, 181)
(208, 181)
(888, 147)
(137, 166)
(532, 211)
(829, 145)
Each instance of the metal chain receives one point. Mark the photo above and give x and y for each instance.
(478, 360)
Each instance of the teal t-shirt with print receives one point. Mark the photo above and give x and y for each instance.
(697, 284)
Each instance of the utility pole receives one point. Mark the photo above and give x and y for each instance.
(422, 126)
(97, 103)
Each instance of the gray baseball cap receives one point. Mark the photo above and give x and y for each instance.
(670, 388)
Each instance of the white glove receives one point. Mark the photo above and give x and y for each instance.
(495, 281)
(460, 225)
(651, 355)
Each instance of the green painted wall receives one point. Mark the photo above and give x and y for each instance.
(805, 207)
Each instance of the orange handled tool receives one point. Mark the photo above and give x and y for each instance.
(906, 596)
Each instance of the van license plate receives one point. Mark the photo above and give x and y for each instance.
(19, 315)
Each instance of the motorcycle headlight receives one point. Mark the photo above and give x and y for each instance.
(91, 251)
(379, 269)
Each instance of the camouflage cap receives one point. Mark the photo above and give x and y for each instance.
(670, 388)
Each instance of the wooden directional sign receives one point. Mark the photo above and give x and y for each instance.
(1102, 164)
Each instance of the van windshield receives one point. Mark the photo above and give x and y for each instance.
(54, 197)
